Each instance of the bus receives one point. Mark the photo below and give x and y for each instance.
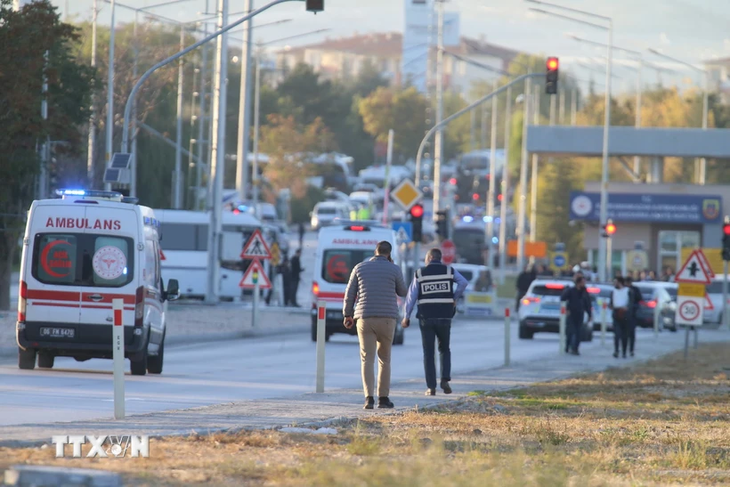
(184, 245)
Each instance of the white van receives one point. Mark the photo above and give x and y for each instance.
(79, 254)
(184, 240)
(339, 249)
(328, 212)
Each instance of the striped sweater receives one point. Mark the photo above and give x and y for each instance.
(375, 284)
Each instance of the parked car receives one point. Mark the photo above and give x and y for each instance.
(600, 293)
(657, 294)
(713, 314)
(327, 212)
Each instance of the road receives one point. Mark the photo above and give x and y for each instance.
(212, 373)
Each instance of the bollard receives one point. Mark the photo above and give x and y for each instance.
(657, 317)
(256, 293)
(562, 328)
(321, 330)
(603, 322)
(118, 357)
(506, 336)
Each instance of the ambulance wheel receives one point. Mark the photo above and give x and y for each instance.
(154, 364)
(45, 360)
(26, 359)
(139, 366)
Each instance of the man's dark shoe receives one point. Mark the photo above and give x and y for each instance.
(574, 352)
(384, 403)
(632, 353)
(446, 387)
(369, 402)
(430, 392)
(615, 354)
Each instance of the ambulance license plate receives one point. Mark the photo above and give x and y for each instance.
(58, 332)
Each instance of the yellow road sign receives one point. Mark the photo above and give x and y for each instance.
(406, 194)
(275, 254)
(692, 290)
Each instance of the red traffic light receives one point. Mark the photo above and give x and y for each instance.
(610, 229)
(726, 229)
(417, 211)
(475, 196)
(499, 197)
(552, 64)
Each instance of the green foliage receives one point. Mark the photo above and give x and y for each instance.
(25, 38)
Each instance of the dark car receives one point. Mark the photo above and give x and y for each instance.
(655, 294)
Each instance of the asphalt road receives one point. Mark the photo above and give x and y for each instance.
(219, 372)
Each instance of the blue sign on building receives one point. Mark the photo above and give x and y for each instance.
(627, 207)
(404, 230)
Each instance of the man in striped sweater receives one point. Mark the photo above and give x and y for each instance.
(375, 285)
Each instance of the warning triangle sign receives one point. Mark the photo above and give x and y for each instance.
(255, 272)
(694, 270)
(708, 303)
(705, 263)
(256, 247)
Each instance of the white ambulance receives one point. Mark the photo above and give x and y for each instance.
(340, 248)
(80, 252)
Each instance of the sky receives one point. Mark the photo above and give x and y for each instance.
(691, 30)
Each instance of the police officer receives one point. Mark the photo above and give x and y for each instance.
(432, 288)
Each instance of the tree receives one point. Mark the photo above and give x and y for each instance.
(400, 110)
(287, 144)
(25, 37)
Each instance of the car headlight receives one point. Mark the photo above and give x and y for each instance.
(672, 306)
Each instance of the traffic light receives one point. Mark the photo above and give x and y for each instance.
(315, 6)
(551, 76)
(442, 224)
(416, 214)
(609, 229)
(726, 241)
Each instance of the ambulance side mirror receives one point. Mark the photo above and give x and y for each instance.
(173, 290)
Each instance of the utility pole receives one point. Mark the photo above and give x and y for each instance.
(176, 194)
(92, 117)
(438, 151)
(110, 97)
(244, 114)
(135, 67)
(492, 177)
(561, 116)
(574, 107)
(217, 155)
(534, 174)
(256, 124)
(202, 142)
(523, 176)
(505, 189)
(46, 148)
(637, 159)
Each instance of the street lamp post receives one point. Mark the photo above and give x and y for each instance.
(602, 257)
(110, 95)
(705, 104)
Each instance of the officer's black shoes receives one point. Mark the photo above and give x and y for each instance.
(384, 403)
(615, 354)
(446, 387)
(369, 402)
(430, 392)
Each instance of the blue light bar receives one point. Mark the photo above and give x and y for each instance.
(71, 192)
(468, 219)
(495, 240)
(487, 219)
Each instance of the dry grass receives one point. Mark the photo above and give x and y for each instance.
(663, 423)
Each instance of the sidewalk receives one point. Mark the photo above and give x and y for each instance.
(319, 409)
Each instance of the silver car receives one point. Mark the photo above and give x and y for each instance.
(540, 309)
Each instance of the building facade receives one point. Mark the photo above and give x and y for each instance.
(661, 220)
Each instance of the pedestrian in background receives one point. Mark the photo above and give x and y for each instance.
(577, 303)
(433, 289)
(375, 285)
(634, 303)
(285, 271)
(620, 302)
(301, 234)
(523, 284)
(296, 270)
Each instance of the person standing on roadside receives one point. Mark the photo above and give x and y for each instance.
(620, 302)
(433, 289)
(375, 285)
(634, 300)
(301, 234)
(577, 302)
(296, 270)
(523, 284)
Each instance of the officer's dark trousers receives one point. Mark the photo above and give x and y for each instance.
(620, 333)
(572, 331)
(431, 329)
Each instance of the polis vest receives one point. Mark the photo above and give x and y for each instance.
(435, 291)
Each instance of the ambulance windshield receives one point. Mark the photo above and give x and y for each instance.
(337, 264)
(81, 259)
